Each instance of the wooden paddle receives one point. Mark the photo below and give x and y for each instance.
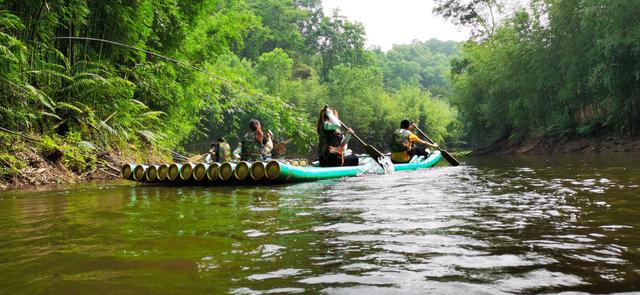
(445, 154)
(370, 150)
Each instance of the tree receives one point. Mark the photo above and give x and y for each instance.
(274, 68)
(479, 14)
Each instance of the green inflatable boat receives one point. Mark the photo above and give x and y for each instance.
(239, 173)
(281, 172)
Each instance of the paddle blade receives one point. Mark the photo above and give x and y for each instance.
(373, 152)
(452, 161)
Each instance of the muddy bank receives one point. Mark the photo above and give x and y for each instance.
(40, 171)
(32, 161)
(549, 145)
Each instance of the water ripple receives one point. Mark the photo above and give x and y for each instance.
(504, 225)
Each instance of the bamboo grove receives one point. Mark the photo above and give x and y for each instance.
(276, 60)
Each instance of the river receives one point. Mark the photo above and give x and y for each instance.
(496, 225)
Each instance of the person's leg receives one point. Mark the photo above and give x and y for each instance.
(331, 161)
(351, 160)
(419, 151)
(402, 162)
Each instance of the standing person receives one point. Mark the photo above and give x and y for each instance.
(332, 143)
(223, 151)
(403, 141)
(255, 145)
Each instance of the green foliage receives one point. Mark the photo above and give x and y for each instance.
(565, 67)
(423, 64)
(11, 166)
(279, 61)
(79, 155)
(274, 68)
(280, 28)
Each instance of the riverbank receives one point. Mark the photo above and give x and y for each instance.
(34, 160)
(554, 145)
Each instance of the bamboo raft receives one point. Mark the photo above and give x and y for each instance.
(235, 173)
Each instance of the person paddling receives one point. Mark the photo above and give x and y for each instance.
(403, 141)
(255, 144)
(332, 147)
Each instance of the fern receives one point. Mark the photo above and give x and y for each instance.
(153, 115)
(70, 107)
(140, 103)
(9, 21)
(47, 114)
(87, 145)
(147, 135)
(49, 72)
(108, 128)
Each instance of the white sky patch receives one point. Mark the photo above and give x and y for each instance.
(389, 22)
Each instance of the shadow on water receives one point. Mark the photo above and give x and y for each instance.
(494, 225)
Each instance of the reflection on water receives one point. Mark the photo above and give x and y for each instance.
(493, 226)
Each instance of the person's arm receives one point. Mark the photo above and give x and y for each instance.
(330, 126)
(420, 141)
(416, 139)
(346, 138)
(433, 145)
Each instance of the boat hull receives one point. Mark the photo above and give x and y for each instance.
(283, 172)
(258, 173)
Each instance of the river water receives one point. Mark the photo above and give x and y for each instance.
(504, 225)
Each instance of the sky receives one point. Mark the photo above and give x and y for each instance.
(389, 22)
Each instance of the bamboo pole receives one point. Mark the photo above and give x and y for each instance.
(212, 171)
(225, 172)
(241, 170)
(273, 170)
(257, 171)
(150, 174)
(163, 171)
(127, 171)
(138, 172)
(200, 171)
(186, 171)
(174, 171)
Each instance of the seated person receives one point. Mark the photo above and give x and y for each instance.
(211, 155)
(402, 144)
(332, 143)
(268, 146)
(223, 151)
(255, 145)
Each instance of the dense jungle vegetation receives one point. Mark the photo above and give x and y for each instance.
(554, 68)
(276, 60)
